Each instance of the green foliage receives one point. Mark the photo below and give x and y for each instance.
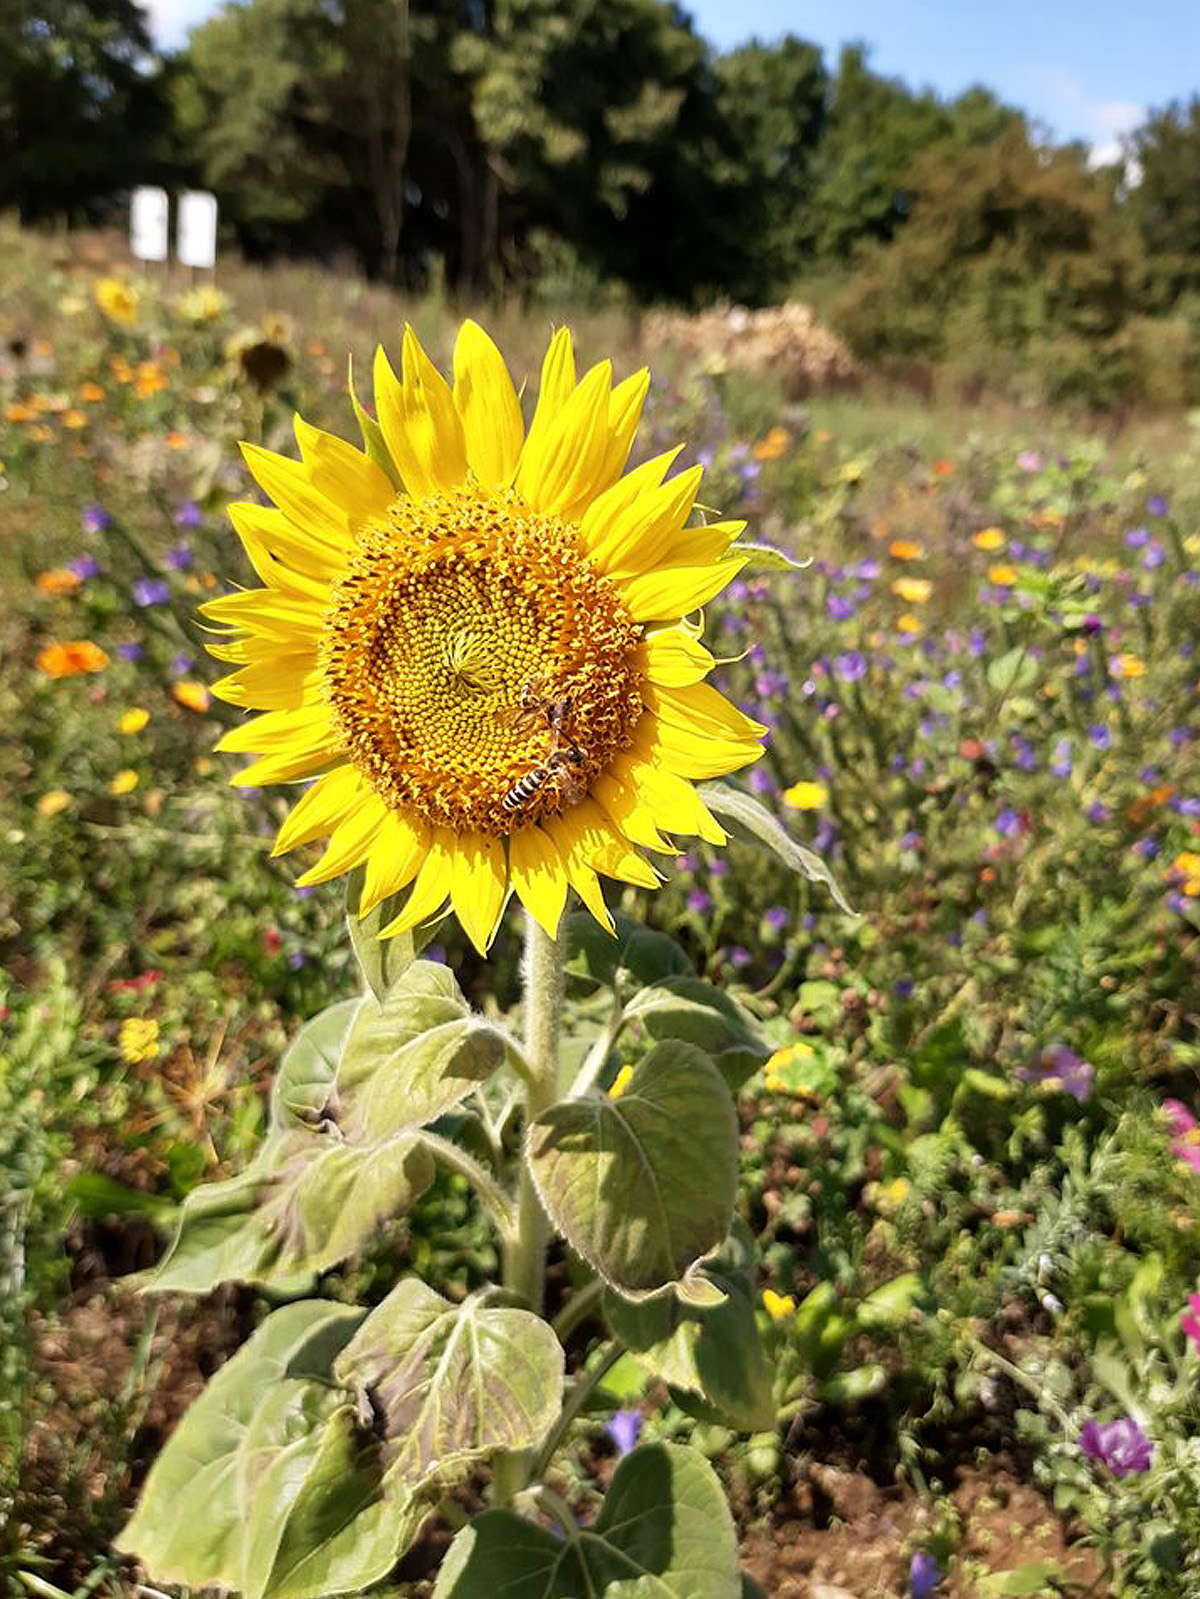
(665, 1528)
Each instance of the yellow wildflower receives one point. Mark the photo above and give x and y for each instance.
(133, 720)
(192, 695)
(138, 1039)
(124, 782)
(914, 590)
(1003, 577)
(989, 538)
(52, 802)
(778, 1306)
(621, 1082)
(117, 298)
(806, 795)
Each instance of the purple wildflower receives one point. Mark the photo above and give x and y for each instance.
(924, 1574)
(1008, 823)
(182, 664)
(851, 666)
(189, 514)
(1156, 505)
(297, 959)
(179, 557)
(1060, 763)
(624, 1430)
(1137, 538)
(699, 901)
(95, 519)
(1121, 1445)
(903, 987)
(1100, 736)
(149, 591)
(84, 566)
(1029, 461)
(839, 609)
(777, 918)
(130, 652)
(1060, 1070)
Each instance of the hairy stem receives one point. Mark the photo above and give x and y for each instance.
(525, 1250)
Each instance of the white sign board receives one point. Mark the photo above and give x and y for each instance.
(196, 229)
(148, 224)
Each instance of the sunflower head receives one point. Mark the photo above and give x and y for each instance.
(473, 639)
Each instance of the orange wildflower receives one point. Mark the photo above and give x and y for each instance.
(16, 412)
(90, 393)
(192, 694)
(943, 468)
(773, 446)
(68, 660)
(58, 580)
(906, 550)
(149, 379)
(1003, 576)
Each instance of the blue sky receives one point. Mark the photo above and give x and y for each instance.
(1086, 68)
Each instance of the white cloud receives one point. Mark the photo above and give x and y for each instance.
(1102, 123)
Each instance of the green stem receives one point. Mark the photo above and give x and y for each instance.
(583, 1390)
(525, 1257)
(485, 1185)
(525, 1248)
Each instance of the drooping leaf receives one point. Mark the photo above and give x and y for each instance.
(309, 1066)
(306, 1202)
(595, 958)
(751, 822)
(767, 558)
(686, 1007)
(642, 1186)
(199, 1465)
(713, 1353)
(452, 1383)
(665, 1532)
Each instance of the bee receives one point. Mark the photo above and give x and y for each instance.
(558, 765)
(536, 706)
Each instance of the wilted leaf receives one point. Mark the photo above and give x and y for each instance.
(766, 558)
(198, 1468)
(452, 1383)
(754, 824)
(665, 1531)
(642, 1186)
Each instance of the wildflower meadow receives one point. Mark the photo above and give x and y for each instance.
(601, 985)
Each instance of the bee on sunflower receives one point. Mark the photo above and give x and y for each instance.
(475, 641)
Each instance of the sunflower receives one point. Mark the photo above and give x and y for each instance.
(476, 640)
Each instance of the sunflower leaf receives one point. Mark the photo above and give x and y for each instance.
(306, 1074)
(767, 558)
(713, 1353)
(382, 960)
(752, 823)
(686, 1007)
(237, 1450)
(451, 1384)
(642, 1186)
(596, 959)
(665, 1529)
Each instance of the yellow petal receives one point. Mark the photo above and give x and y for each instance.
(674, 591)
(674, 658)
(297, 547)
(700, 546)
(281, 684)
(350, 843)
(277, 730)
(291, 488)
(557, 386)
(286, 768)
(650, 524)
(343, 474)
(539, 877)
(277, 574)
(704, 708)
(395, 859)
(605, 514)
(560, 475)
(488, 406)
(420, 425)
(279, 616)
(624, 414)
(630, 813)
(694, 754)
(671, 800)
(479, 887)
(431, 888)
(320, 808)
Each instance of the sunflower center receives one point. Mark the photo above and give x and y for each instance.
(480, 672)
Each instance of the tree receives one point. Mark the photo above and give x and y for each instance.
(81, 111)
(1164, 200)
(773, 100)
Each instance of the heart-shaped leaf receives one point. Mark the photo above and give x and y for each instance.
(200, 1467)
(686, 1007)
(642, 1186)
(714, 1353)
(452, 1384)
(665, 1532)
